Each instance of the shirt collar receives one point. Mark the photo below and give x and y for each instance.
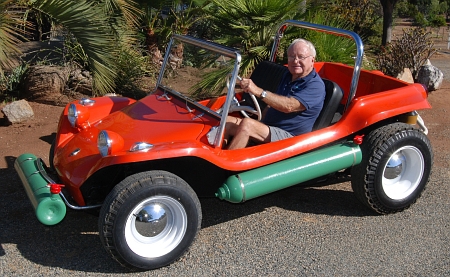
(308, 77)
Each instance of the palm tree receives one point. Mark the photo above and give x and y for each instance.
(100, 27)
(161, 18)
(10, 35)
(250, 26)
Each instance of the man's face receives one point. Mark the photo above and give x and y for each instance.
(300, 60)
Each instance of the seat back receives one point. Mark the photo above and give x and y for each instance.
(267, 75)
(331, 104)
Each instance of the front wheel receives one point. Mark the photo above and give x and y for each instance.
(396, 166)
(149, 220)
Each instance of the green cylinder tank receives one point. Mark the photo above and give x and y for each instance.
(260, 181)
(50, 209)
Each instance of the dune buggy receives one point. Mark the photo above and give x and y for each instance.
(145, 163)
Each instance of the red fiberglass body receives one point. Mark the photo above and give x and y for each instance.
(176, 131)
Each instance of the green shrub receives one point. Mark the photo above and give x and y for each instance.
(420, 20)
(404, 9)
(436, 21)
(133, 65)
(10, 82)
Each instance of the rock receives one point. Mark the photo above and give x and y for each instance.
(45, 84)
(80, 81)
(18, 111)
(406, 76)
(430, 76)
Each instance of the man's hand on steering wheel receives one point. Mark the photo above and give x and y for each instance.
(246, 109)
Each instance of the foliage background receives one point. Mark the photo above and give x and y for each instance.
(121, 41)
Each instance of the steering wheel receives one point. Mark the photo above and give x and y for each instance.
(244, 110)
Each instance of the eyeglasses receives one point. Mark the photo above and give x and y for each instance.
(300, 58)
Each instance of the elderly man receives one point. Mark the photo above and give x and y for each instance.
(292, 109)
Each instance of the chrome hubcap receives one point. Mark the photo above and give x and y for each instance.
(403, 172)
(151, 220)
(156, 226)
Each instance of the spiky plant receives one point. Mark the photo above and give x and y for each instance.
(248, 25)
(99, 27)
(10, 35)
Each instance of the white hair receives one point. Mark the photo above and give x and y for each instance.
(312, 49)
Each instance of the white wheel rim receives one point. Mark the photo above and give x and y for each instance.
(155, 226)
(403, 172)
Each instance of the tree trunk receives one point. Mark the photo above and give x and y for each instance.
(388, 10)
(152, 46)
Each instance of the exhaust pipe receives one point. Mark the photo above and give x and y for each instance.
(264, 180)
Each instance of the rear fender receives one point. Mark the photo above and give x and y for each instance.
(369, 109)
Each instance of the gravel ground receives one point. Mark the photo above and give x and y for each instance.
(316, 231)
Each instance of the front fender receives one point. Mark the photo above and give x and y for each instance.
(102, 107)
(75, 170)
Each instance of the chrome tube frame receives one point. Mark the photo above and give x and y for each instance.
(39, 163)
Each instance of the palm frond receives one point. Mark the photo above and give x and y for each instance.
(10, 35)
(88, 24)
(250, 26)
(127, 9)
(212, 83)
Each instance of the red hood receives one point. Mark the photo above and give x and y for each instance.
(154, 120)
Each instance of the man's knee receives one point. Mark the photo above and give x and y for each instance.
(246, 125)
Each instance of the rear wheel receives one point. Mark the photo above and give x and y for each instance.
(396, 166)
(149, 220)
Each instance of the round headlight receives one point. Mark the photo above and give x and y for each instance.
(78, 115)
(109, 142)
(104, 143)
(72, 114)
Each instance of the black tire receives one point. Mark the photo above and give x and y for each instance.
(149, 220)
(396, 165)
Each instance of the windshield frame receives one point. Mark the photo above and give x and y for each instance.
(214, 47)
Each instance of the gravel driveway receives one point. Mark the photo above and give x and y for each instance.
(315, 231)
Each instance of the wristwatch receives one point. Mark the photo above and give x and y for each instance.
(263, 94)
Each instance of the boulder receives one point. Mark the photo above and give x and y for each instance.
(430, 76)
(18, 111)
(80, 81)
(406, 76)
(45, 84)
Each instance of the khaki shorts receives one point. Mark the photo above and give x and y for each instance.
(278, 134)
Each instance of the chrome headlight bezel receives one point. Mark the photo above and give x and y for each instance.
(104, 143)
(72, 114)
(78, 116)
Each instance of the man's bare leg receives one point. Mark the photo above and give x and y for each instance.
(245, 129)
